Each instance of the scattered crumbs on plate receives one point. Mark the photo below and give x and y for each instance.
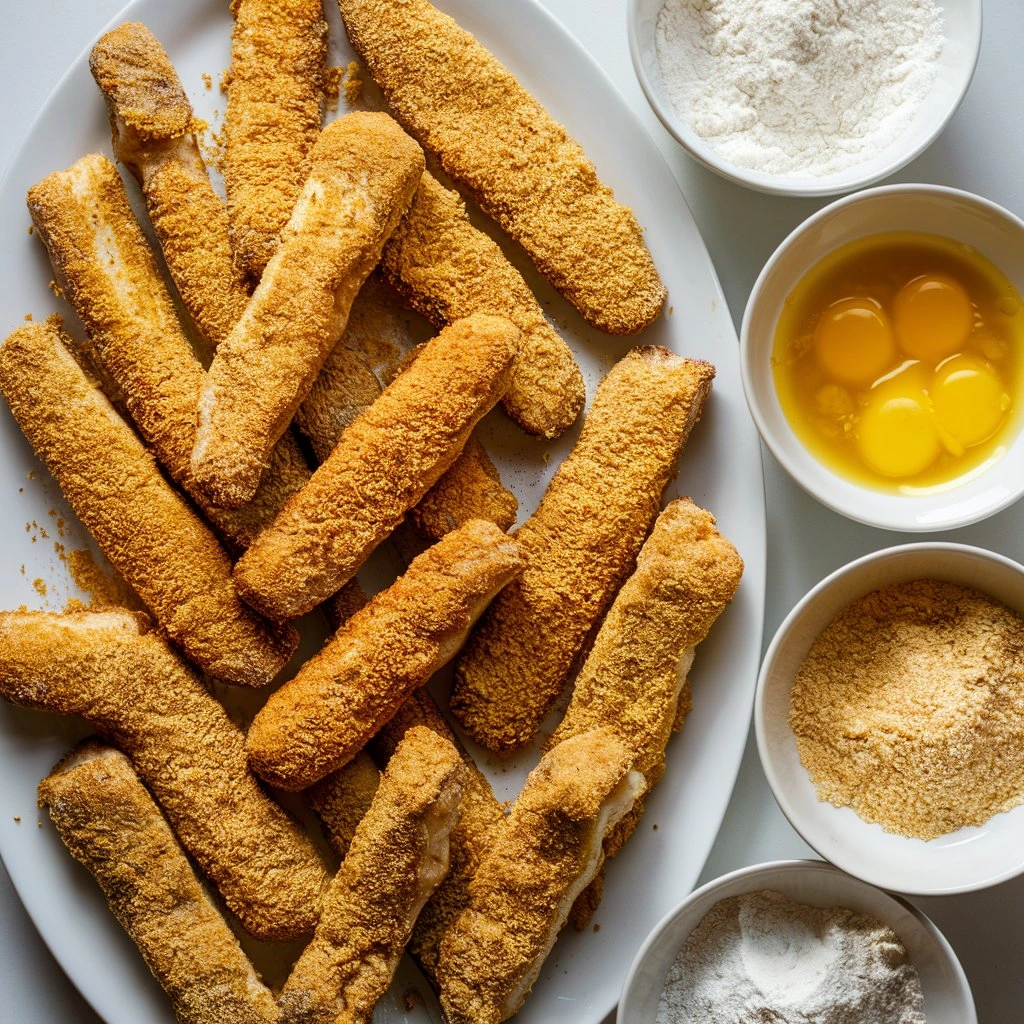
(39, 824)
(31, 475)
(207, 80)
(17, 819)
(353, 84)
(22, 568)
(671, 310)
(225, 80)
(654, 827)
(411, 998)
(39, 585)
(597, 927)
(58, 292)
(546, 457)
(31, 229)
(332, 85)
(28, 317)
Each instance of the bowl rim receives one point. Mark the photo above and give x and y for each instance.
(795, 865)
(846, 860)
(868, 515)
(771, 184)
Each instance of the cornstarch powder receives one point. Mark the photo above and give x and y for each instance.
(763, 957)
(803, 87)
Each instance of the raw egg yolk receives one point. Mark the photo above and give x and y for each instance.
(896, 436)
(970, 401)
(853, 341)
(932, 317)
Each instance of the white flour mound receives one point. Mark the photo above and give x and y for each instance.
(802, 87)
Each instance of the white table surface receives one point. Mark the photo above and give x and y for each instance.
(982, 150)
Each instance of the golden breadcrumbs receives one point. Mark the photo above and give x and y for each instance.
(909, 708)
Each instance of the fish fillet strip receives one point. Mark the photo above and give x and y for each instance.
(363, 170)
(580, 545)
(123, 679)
(145, 528)
(496, 141)
(153, 129)
(342, 799)
(397, 857)
(634, 677)
(108, 273)
(320, 719)
(110, 824)
(540, 859)
(386, 461)
(276, 99)
(445, 268)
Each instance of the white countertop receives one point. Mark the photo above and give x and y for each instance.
(982, 150)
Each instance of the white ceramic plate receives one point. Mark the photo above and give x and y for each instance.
(721, 470)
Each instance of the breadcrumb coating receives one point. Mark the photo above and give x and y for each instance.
(145, 528)
(479, 814)
(109, 275)
(110, 824)
(342, 799)
(372, 350)
(632, 680)
(387, 460)
(445, 268)
(320, 719)
(398, 855)
(125, 681)
(470, 489)
(153, 131)
(276, 98)
(363, 170)
(495, 140)
(539, 861)
(580, 545)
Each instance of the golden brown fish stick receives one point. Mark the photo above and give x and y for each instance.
(322, 718)
(106, 269)
(123, 679)
(539, 861)
(154, 137)
(580, 545)
(347, 386)
(445, 268)
(342, 799)
(495, 140)
(363, 171)
(146, 529)
(470, 839)
(387, 460)
(398, 856)
(634, 676)
(110, 824)
(276, 98)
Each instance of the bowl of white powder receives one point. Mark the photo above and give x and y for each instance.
(792, 941)
(804, 97)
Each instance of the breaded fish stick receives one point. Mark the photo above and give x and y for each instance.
(635, 674)
(110, 824)
(363, 170)
(495, 140)
(342, 799)
(106, 269)
(320, 719)
(276, 98)
(347, 386)
(580, 545)
(445, 268)
(539, 861)
(154, 137)
(398, 856)
(479, 814)
(387, 460)
(145, 528)
(124, 680)
(469, 489)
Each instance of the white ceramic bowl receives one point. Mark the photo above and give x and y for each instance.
(961, 24)
(947, 995)
(963, 861)
(995, 233)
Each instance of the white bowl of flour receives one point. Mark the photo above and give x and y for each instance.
(798, 956)
(805, 97)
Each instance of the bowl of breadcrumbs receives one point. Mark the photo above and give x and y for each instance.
(889, 717)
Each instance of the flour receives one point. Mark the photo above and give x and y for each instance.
(803, 87)
(761, 957)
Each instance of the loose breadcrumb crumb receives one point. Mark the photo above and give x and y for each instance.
(353, 83)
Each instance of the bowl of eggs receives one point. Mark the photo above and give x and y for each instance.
(882, 354)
